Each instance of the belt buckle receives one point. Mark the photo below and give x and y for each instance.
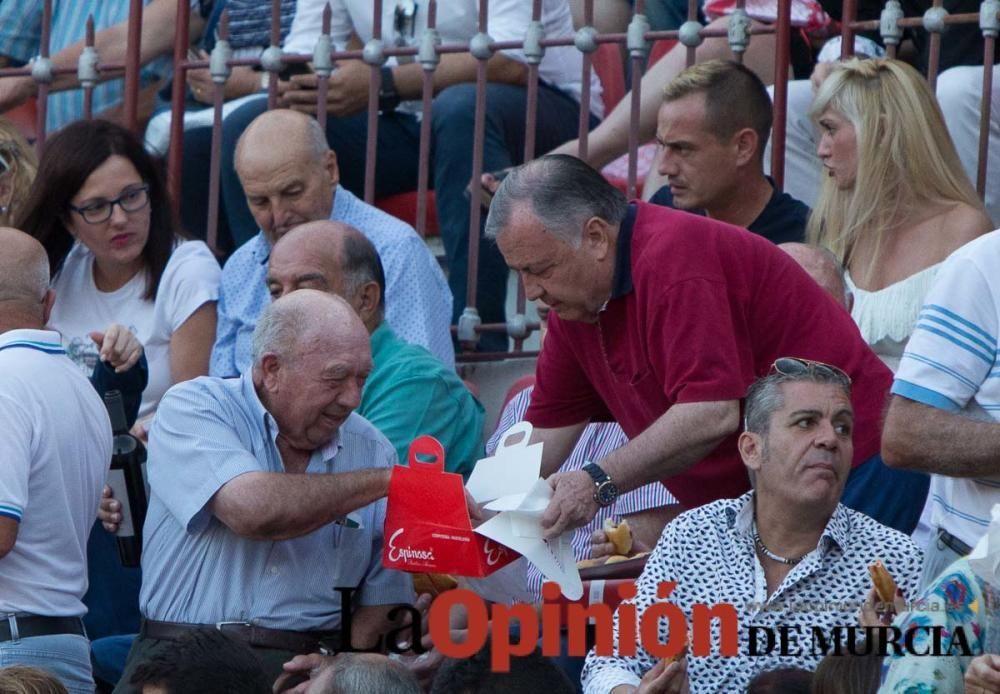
(219, 625)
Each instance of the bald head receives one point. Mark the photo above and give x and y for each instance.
(299, 321)
(823, 266)
(283, 129)
(288, 172)
(24, 280)
(331, 257)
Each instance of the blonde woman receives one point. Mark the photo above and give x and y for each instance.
(18, 166)
(895, 201)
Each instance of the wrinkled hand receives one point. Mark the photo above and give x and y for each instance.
(983, 674)
(601, 547)
(15, 91)
(819, 74)
(308, 666)
(347, 94)
(109, 510)
(140, 428)
(666, 679)
(875, 613)
(476, 514)
(572, 503)
(118, 346)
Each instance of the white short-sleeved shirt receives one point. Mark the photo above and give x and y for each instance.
(190, 280)
(951, 363)
(55, 449)
(457, 22)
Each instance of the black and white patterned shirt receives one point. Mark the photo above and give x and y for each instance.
(709, 552)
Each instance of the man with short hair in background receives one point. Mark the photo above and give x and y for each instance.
(55, 450)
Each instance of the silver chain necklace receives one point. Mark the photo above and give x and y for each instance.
(771, 555)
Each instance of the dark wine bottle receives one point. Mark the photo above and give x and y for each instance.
(127, 479)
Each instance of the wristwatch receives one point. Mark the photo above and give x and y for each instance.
(606, 490)
(388, 97)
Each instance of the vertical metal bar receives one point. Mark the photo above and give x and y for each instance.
(847, 15)
(323, 85)
(215, 160)
(43, 88)
(424, 159)
(584, 127)
(738, 55)
(132, 65)
(88, 91)
(479, 127)
(374, 86)
(690, 56)
(176, 151)
(272, 87)
(989, 50)
(782, 53)
(633, 128)
(890, 51)
(934, 60)
(531, 109)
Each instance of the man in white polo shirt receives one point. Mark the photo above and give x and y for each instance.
(944, 416)
(55, 448)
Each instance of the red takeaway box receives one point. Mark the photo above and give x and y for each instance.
(427, 525)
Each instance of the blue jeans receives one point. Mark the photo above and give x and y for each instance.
(892, 497)
(67, 656)
(397, 156)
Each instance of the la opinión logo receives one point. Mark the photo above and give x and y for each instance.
(555, 617)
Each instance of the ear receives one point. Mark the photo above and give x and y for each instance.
(332, 169)
(751, 448)
(270, 365)
(48, 301)
(366, 301)
(746, 143)
(598, 239)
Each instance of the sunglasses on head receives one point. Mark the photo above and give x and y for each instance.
(795, 366)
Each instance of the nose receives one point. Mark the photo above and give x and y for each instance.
(350, 395)
(826, 436)
(118, 215)
(532, 290)
(823, 148)
(667, 165)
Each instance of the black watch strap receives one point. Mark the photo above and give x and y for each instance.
(388, 97)
(596, 473)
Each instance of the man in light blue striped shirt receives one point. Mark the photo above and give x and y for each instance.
(944, 417)
(267, 495)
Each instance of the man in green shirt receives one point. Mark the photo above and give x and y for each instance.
(409, 391)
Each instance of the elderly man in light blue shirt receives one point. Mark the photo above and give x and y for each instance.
(267, 496)
(290, 177)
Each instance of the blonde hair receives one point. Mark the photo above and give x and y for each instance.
(23, 166)
(19, 679)
(905, 157)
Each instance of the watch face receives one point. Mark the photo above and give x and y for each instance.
(606, 493)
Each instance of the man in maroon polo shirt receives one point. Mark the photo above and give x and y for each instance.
(663, 319)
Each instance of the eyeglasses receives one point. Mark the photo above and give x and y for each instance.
(99, 211)
(795, 366)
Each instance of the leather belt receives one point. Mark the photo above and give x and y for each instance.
(953, 543)
(33, 625)
(260, 637)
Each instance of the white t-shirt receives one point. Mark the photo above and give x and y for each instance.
(55, 450)
(951, 363)
(457, 22)
(190, 279)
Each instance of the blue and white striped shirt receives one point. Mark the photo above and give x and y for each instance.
(596, 442)
(417, 297)
(198, 571)
(951, 363)
(21, 35)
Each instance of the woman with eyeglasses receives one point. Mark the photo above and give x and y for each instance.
(895, 201)
(100, 209)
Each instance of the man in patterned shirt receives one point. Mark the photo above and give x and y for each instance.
(290, 177)
(786, 554)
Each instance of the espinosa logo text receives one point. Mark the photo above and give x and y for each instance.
(407, 553)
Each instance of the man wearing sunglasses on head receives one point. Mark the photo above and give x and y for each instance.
(662, 320)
